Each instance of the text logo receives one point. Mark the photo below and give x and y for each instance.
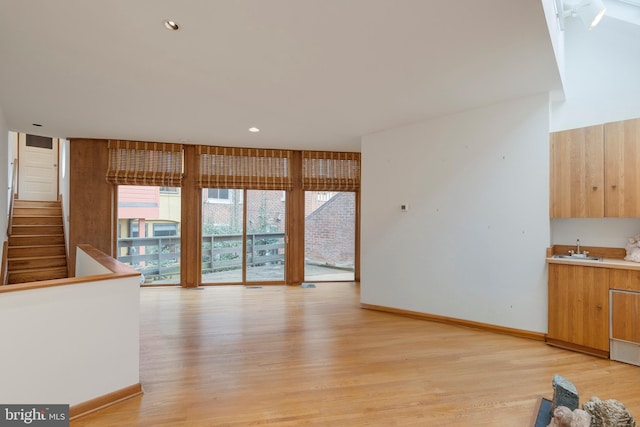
(34, 415)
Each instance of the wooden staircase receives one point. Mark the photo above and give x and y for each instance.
(36, 246)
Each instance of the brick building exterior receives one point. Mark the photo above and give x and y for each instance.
(330, 230)
(223, 211)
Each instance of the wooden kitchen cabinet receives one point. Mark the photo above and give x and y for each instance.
(624, 280)
(625, 308)
(577, 173)
(625, 312)
(579, 308)
(625, 304)
(622, 175)
(594, 173)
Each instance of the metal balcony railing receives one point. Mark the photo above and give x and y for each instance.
(159, 257)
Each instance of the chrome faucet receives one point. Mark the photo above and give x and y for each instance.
(577, 252)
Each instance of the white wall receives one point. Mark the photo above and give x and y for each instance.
(601, 69)
(4, 178)
(602, 85)
(472, 245)
(63, 180)
(87, 266)
(69, 344)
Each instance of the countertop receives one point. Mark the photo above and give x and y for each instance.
(605, 263)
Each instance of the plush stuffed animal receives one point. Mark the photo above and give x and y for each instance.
(633, 249)
(563, 417)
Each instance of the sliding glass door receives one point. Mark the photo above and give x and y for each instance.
(265, 244)
(222, 231)
(243, 236)
(329, 236)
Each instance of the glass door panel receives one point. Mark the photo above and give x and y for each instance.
(329, 236)
(149, 231)
(222, 231)
(265, 244)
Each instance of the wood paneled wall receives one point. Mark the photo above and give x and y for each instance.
(191, 218)
(91, 198)
(295, 227)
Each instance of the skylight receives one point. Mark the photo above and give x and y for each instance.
(624, 10)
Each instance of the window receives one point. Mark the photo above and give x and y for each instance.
(39, 142)
(169, 190)
(324, 196)
(149, 239)
(134, 229)
(329, 239)
(165, 229)
(218, 194)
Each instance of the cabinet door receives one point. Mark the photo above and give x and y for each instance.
(625, 309)
(579, 305)
(622, 179)
(624, 280)
(577, 173)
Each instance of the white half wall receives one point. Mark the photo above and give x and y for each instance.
(72, 343)
(472, 244)
(601, 85)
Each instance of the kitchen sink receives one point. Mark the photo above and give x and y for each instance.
(579, 257)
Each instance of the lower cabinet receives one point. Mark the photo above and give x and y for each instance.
(625, 312)
(625, 308)
(579, 308)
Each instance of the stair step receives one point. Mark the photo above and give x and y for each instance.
(35, 240)
(35, 230)
(36, 203)
(36, 247)
(28, 263)
(37, 274)
(35, 250)
(37, 211)
(36, 220)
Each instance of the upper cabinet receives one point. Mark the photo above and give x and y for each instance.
(594, 172)
(577, 173)
(622, 171)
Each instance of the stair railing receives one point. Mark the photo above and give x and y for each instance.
(64, 233)
(13, 185)
(4, 277)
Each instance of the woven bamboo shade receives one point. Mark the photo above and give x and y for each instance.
(250, 168)
(144, 163)
(330, 171)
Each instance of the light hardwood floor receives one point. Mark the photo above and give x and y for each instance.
(283, 356)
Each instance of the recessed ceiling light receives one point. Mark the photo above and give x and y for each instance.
(37, 125)
(254, 130)
(171, 25)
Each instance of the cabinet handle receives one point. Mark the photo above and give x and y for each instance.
(599, 307)
(595, 187)
(614, 186)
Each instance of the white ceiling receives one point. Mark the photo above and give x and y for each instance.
(312, 74)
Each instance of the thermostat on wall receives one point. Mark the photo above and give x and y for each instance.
(404, 208)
